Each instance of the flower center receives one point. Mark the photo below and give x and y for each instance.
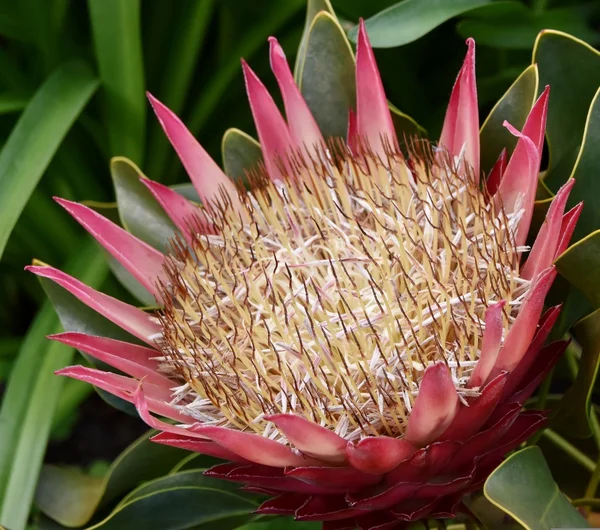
(349, 280)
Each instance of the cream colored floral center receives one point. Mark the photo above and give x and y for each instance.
(351, 278)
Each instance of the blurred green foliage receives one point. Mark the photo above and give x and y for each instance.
(186, 53)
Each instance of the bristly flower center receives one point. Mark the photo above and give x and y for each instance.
(348, 281)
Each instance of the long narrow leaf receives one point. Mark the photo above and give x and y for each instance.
(118, 43)
(36, 137)
(188, 38)
(31, 397)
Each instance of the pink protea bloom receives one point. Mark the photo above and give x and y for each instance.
(356, 335)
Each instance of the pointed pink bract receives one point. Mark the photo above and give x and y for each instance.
(273, 133)
(461, 124)
(546, 243)
(125, 388)
(136, 361)
(253, 447)
(310, 438)
(434, 408)
(373, 118)
(303, 128)
(567, 228)
(144, 262)
(186, 217)
(492, 338)
(519, 183)
(207, 177)
(129, 318)
(524, 327)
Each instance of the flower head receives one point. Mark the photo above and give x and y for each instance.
(357, 333)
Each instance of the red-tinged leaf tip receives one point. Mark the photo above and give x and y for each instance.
(378, 454)
(310, 438)
(546, 243)
(207, 177)
(131, 359)
(524, 327)
(303, 128)
(140, 259)
(567, 228)
(519, 183)
(492, 339)
(186, 217)
(373, 118)
(435, 406)
(273, 132)
(460, 132)
(127, 317)
(253, 447)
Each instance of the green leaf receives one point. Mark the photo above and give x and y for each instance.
(281, 523)
(10, 103)
(409, 20)
(326, 75)
(189, 33)
(71, 497)
(31, 397)
(194, 477)
(574, 412)
(276, 16)
(513, 106)
(178, 508)
(585, 173)
(580, 265)
(570, 67)
(36, 137)
(118, 45)
(313, 7)
(139, 211)
(241, 153)
(523, 487)
(519, 32)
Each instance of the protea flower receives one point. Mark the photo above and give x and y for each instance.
(357, 333)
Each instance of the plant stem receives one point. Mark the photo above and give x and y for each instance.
(572, 451)
(592, 486)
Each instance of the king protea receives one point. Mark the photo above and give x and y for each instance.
(357, 333)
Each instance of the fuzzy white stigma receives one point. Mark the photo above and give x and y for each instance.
(349, 280)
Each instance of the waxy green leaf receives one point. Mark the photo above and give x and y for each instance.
(313, 7)
(580, 265)
(71, 497)
(574, 411)
(571, 67)
(409, 20)
(513, 106)
(523, 488)
(139, 211)
(241, 153)
(326, 75)
(179, 508)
